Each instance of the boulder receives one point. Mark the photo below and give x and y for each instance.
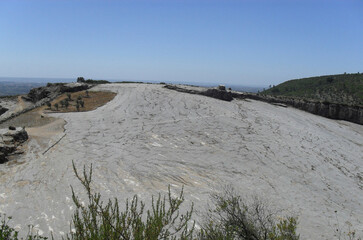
(3, 158)
(51, 91)
(9, 142)
(19, 135)
(219, 94)
(3, 110)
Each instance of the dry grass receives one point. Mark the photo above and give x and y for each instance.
(95, 100)
(37, 118)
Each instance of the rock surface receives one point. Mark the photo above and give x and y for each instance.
(51, 91)
(219, 93)
(3, 110)
(10, 140)
(330, 110)
(149, 137)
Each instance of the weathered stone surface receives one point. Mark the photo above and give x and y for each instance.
(325, 109)
(18, 135)
(9, 142)
(51, 91)
(3, 110)
(212, 92)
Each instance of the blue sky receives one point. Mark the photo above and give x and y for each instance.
(236, 42)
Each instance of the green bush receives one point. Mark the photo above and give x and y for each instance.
(106, 221)
(9, 233)
(235, 218)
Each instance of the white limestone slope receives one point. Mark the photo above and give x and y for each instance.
(149, 137)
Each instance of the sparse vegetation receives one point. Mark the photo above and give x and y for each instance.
(234, 218)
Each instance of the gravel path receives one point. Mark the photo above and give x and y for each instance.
(149, 137)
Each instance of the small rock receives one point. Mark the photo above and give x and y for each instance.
(3, 158)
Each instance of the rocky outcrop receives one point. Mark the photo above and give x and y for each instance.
(3, 110)
(10, 140)
(329, 110)
(51, 91)
(212, 92)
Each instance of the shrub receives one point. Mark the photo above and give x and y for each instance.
(56, 106)
(66, 104)
(99, 221)
(69, 97)
(234, 218)
(9, 233)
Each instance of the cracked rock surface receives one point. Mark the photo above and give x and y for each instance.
(148, 137)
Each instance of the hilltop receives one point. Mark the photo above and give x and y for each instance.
(148, 137)
(340, 88)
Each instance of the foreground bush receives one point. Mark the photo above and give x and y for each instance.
(234, 218)
(99, 221)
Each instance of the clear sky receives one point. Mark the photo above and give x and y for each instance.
(237, 42)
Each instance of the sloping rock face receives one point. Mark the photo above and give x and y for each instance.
(51, 91)
(212, 92)
(10, 139)
(3, 110)
(325, 109)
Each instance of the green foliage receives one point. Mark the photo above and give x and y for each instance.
(63, 103)
(91, 81)
(80, 79)
(66, 103)
(9, 233)
(69, 96)
(56, 106)
(105, 221)
(343, 88)
(234, 218)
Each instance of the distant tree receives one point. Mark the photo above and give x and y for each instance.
(49, 105)
(79, 98)
(87, 93)
(80, 79)
(81, 102)
(77, 106)
(56, 106)
(69, 96)
(66, 104)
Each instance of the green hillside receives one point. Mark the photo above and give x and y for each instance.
(342, 88)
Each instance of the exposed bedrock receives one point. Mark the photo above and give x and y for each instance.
(212, 92)
(51, 91)
(330, 110)
(3, 110)
(10, 139)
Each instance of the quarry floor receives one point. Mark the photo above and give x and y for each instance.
(148, 137)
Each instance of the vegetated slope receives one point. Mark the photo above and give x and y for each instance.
(341, 88)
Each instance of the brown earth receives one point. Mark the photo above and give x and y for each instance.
(91, 102)
(43, 128)
(37, 117)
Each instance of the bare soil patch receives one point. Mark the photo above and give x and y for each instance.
(37, 117)
(91, 101)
